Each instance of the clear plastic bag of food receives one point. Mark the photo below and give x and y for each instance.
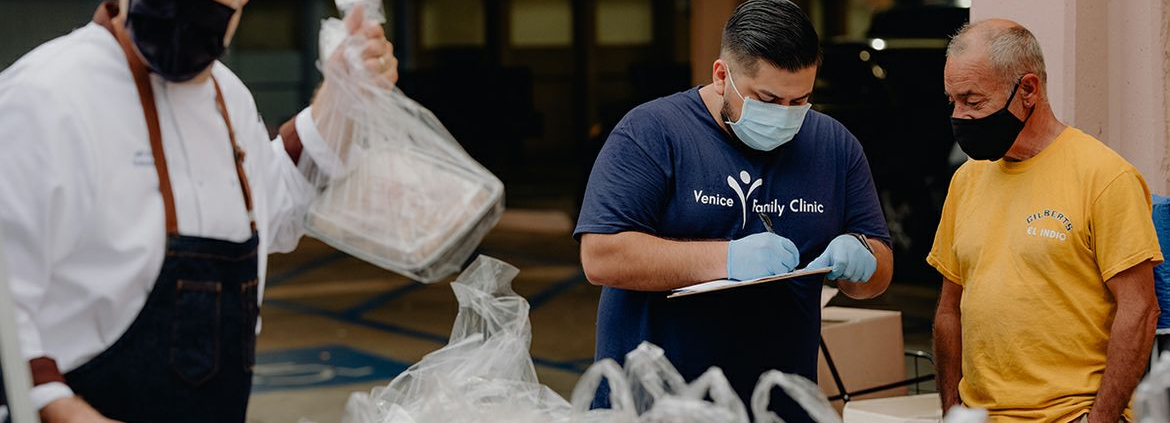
(621, 403)
(803, 391)
(651, 376)
(483, 375)
(661, 395)
(400, 192)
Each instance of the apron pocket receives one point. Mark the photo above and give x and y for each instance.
(195, 334)
(249, 299)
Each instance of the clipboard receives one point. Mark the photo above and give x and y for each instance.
(722, 284)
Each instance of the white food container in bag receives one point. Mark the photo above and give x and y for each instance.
(429, 220)
(401, 193)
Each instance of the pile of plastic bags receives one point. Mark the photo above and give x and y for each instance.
(485, 375)
(400, 193)
(651, 390)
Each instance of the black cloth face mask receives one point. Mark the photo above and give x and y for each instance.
(990, 137)
(179, 38)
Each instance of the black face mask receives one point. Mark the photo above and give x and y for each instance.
(990, 137)
(179, 38)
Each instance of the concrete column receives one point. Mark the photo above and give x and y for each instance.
(1108, 71)
(707, 20)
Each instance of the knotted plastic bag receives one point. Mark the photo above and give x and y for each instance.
(400, 192)
(621, 403)
(661, 395)
(651, 390)
(652, 377)
(803, 391)
(483, 375)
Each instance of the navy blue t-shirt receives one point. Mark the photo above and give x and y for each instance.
(669, 170)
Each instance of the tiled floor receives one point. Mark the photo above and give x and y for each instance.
(333, 324)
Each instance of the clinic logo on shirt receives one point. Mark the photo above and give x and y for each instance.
(746, 178)
(742, 190)
(742, 193)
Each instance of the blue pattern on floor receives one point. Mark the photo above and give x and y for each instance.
(317, 367)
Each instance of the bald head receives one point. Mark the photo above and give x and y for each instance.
(1009, 50)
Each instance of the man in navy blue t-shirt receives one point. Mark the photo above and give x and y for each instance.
(682, 175)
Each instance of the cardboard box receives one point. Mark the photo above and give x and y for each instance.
(866, 346)
(924, 408)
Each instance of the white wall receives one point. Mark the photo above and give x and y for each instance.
(1108, 68)
(1137, 56)
(1049, 21)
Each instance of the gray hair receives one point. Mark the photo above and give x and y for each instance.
(1012, 50)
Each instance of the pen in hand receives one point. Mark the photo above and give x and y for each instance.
(767, 222)
(768, 225)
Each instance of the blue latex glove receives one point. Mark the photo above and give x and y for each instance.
(759, 255)
(849, 259)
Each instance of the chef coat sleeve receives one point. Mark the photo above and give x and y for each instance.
(45, 200)
(288, 190)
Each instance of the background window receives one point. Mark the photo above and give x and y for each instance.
(452, 23)
(541, 23)
(624, 22)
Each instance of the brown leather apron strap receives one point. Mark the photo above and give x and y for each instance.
(146, 97)
(104, 17)
(238, 152)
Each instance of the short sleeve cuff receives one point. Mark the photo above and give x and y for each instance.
(605, 230)
(937, 264)
(1131, 261)
(42, 395)
(314, 144)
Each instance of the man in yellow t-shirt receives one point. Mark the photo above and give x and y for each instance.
(1046, 245)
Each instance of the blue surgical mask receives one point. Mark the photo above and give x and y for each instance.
(765, 126)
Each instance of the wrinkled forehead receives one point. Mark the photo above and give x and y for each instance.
(970, 73)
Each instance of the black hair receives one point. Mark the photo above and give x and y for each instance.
(776, 31)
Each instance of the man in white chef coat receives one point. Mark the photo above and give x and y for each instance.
(140, 195)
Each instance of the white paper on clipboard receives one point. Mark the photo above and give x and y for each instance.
(722, 284)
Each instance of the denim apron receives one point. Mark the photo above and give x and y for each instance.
(189, 354)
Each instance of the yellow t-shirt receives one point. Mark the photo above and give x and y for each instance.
(1032, 243)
